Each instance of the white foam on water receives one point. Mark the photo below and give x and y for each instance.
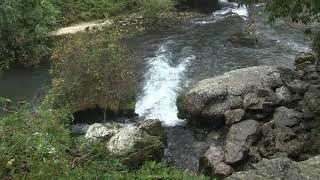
(241, 11)
(162, 80)
(230, 10)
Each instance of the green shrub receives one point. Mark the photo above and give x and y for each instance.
(37, 145)
(85, 10)
(33, 144)
(24, 31)
(153, 8)
(92, 69)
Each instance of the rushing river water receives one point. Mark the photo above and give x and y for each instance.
(174, 59)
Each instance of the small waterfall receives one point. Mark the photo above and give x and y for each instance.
(161, 86)
(228, 9)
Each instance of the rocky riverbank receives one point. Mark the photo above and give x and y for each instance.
(265, 113)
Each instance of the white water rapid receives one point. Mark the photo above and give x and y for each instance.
(161, 86)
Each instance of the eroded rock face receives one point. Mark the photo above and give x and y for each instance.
(239, 139)
(281, 168)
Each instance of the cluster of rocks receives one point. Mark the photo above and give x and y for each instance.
(137, 142)
(281, 168)
(267, 113)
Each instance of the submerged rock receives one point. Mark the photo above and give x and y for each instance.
(245, 38)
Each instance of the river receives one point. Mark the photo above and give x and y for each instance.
(171, 60)
(175, 58)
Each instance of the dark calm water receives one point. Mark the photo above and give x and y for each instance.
(24, 84)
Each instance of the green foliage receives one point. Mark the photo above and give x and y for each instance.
(37, 145)
(92, 69)
(24, 31)
(33, 144)
(296, 10)
(153, 8)
(84, 10)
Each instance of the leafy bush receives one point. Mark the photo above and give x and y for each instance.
(84, 10)
(153, 8)
(91, 69)
(24, 31)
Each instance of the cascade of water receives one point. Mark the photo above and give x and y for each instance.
(162, 79)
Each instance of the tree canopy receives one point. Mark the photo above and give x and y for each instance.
(24, 29)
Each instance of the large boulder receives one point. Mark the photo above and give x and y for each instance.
(153, 127)
(212, 97)
(99, 131)
(239, 140)
(281, 168)
(136, 145)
